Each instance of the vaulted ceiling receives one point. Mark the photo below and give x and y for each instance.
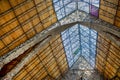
(39, 37)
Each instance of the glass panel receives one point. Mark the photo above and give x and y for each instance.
(64, 7)
(70, 8)
(95, 2)
(83, 6)
(94, 10)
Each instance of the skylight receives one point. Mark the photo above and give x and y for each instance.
(66, 7)
(78, 40)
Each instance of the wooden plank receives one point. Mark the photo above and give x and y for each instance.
(102, 49)
(27, 16)
(101, 60)
(1, 45)
(17, 42)
(38, 1)
(115, 59)
(118, 11)
(35, 21)
(44, 15)
(27, 27)
(41, 7)
(115, 64)
(54, 70)
(51, 11)
(31, 66)
(4, 51)
(113, 1)
(8, 39)
(31, 61)
(118, 73)
(54, 19)
(6, 17)
(114, 49)
(8, 27)
(50, 68)
(30, 33)
(54, 45)
(63, 64)
(43, 55)
(100, 68)
(23, 8)
(17, 33)
(108, 75)
(106, 19)
(21, 74)
(101, 55)
(61, 58)
(53, 40)
(55, 74)
(49, 3)
(39, 27)
(14, 3)
(4, 5)
(108, 9)
(48, 58)
(64, 68)
(116, 46)
(117, 21)
(50, 62)
(106, 16)
(42, 76)
(47, 24)
(57, 55)
(42, 71)
(110, 68)
(28, 77)
(34, 71)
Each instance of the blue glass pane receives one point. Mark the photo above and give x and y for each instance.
(64, 7)
(66, 1)
(63, 12)
(55, 0)
(83, 6)
(57, 6)
(70, 8)
(95, 2)
(59, 15)
(86, 1)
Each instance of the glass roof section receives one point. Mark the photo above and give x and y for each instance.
(78, 40)
(66, 7)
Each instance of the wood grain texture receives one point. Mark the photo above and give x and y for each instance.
(23, 18)
(108, 57)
